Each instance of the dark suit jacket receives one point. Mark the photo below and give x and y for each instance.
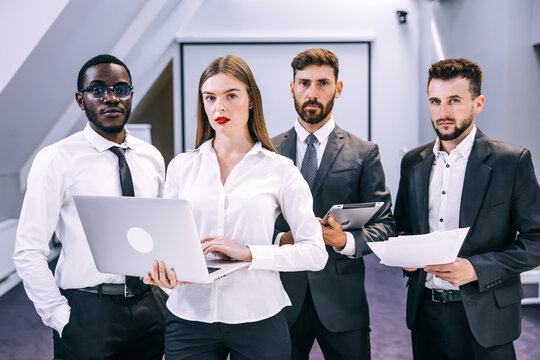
(500, 196)
(350, 172)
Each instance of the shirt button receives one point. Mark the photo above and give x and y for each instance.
(444, 192)
(447, 165)
(441, 220)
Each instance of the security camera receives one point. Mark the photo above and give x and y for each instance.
(402, 16)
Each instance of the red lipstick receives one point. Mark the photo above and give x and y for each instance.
(222, 120)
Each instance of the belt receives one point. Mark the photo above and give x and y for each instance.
(115, 289)
(442, 296)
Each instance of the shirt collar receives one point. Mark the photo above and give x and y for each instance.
(206, 147)
(464, 148)
(321, 133)
(102, 144)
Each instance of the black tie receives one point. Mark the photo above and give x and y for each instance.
(133, 283)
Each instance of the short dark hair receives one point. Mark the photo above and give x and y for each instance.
(315, 57)
(452, 68)
(96, 60)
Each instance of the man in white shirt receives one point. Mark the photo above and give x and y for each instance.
(93, 315)
(330, 305)
(468, 309)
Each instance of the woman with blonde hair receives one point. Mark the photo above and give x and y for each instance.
(238, 185)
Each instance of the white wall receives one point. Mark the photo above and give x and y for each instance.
(11, 198)
(394, 60)
(497, 35)
(30, 28)
(37, 103)
(270, 64)
(535, 33)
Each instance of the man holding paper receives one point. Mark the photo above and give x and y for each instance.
(470, 308)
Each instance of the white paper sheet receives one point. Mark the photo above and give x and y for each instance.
(418, 251)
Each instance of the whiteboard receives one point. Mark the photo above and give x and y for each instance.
(271, 66)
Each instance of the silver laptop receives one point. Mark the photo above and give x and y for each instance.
(127, 234)
(352, 216)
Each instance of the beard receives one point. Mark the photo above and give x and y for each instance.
(93, 118)
(312, 116)
(458, 129)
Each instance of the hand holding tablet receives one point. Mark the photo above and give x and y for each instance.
(352, 216)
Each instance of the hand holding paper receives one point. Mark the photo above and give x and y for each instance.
(419, 251)
(457, 273)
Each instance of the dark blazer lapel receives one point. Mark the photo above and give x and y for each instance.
(333, 147)
(288, 146)
(476, 181)
(422, 171)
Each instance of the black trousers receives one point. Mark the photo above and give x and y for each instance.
(339, 346)
(113, 327)
(267, 339)
(442, 332)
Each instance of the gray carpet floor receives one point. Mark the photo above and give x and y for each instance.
(24, 337)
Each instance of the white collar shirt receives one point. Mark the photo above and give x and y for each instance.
(322, 134)
(77, 165)
(445, 188)
(244, 209)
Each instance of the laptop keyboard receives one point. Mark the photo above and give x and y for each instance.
(212, 269)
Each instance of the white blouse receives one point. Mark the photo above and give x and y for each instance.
(261, 186)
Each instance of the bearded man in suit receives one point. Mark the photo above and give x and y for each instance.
(330, 305)
(468, 309)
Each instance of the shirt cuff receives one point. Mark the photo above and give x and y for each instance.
(350, 246)
(262, 256)
(167, 290)
(278, 238)
(60, 318)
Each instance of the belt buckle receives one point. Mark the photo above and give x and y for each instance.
(433, 296)
(127, 292)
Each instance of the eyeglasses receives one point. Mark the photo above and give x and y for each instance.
(121, 91)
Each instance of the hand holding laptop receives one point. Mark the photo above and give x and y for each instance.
(130, 243)
(217, 245)
(160, 278)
